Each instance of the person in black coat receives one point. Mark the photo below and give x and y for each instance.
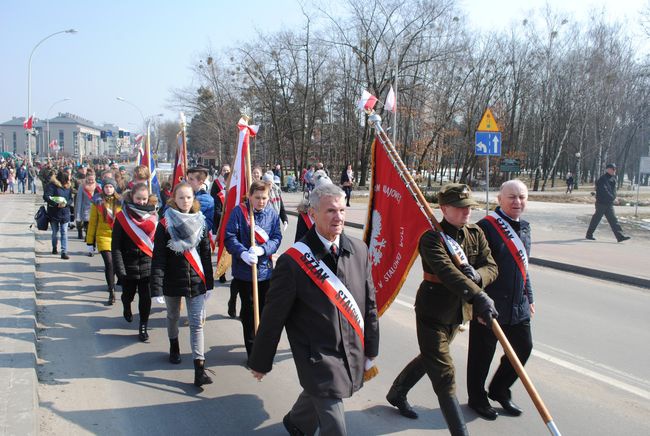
(347, 180)
(132, 244)
(181, 267)
(329, 351)
(58, 196)
(512, 293)
(605, 198)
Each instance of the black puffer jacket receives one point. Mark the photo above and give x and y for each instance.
(128, 260)
(55, 189)
(172, 275)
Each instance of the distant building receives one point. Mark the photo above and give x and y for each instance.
(75, 136)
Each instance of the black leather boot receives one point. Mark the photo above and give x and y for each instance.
(174, 351)
(143, 335)
(453, 415)
(200, 377)
(406, 379)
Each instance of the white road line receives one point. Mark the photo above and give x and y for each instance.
(577, 368)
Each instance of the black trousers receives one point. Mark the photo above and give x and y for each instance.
(608, 211)
(109, 272)
(247, 317)
(141, 286)
(482, 344)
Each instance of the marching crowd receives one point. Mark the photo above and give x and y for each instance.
(160, 245)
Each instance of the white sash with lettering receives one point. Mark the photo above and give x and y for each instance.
(330, 284)
(512, 241)
(454, 248)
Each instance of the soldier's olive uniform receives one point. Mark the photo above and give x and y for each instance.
(443, 302)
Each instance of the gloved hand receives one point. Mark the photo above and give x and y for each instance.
(248, 258)
(90, 249)
(471, 273)
(207, 294)
(256, 250)
(285, 224)
(484, 309)
(159, 300)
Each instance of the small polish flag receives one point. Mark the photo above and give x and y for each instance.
(390, 104)
(138, 138)
(54, 144)
(367, 101)
(29, 123)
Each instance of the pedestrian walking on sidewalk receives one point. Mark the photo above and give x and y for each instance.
(447, 296)
(334, 338)
(58, 196)
(181, 267)
(32, 174)
(237, 241)
(11, 181)
(512, 292)
(347, 180)
(21, 177)
(569, 183)
(605, 199)
(132, 248)
(100, 230)
(88, 189)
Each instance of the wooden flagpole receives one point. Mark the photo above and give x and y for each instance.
(147, 153)
(256, 304)
(375, 121)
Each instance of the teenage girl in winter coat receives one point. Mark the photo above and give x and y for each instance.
(58, 195)
(100, 230)
(181, 267)
(132, 248)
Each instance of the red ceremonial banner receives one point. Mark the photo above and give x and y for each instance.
(394, 225)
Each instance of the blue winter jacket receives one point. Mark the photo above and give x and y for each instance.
(238, 240)
(511, 297)
(55, 189)
(207, 208)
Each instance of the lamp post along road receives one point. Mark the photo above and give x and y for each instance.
(48, 123)
(29, 85)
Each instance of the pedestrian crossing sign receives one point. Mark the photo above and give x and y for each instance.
(488, 123)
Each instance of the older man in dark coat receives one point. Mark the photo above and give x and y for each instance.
(322, 292)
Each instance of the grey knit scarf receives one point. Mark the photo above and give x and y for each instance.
(185, 229)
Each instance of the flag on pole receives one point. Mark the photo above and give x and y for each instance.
(237, 183)
(394, 225)
(390, 104)
(367, 101)
(180, 159)
(54, 144)
(147, 160)
(28, 124)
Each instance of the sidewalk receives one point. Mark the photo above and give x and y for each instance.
(18, 380)
(558, 238)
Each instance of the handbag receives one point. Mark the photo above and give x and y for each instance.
(41, 218)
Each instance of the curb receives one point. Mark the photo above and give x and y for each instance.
(18, 351)
(561, 266)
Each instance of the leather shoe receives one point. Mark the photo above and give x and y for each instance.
(232, 309)
(623, 238)
(486, 412)
(590, 237)
(402, 405)
(508, 406)
(290, 426)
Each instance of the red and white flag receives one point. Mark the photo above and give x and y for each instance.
(54, 144)
(391, 103)
(393, 228)
(367, 101)
(139, 138)
(29, 123)
(238, 182)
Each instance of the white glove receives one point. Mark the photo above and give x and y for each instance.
(369, 363)
(159, 300)
(90, 249)
(207, 294)
(256, 250)
(249, 258)
(285, 225)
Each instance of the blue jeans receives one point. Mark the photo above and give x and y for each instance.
(196, 317)
(21, 186)
(57, 228)
(32, 185)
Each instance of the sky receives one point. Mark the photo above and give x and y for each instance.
(141, 50)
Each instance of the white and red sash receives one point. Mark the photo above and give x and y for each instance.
(260, 234)
(307, 219)
(89, 195)
(137, 235)
(107, 212)
(454, 248)
(213, 240)
(192, 256)
(330, 284)
(512, 241)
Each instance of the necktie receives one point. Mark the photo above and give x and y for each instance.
(334, 251)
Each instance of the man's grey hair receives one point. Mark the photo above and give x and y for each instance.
(324, 190)
(513, 182)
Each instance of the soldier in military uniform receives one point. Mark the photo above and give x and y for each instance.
(456, 264)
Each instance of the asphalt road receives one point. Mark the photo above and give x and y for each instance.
(591, 364)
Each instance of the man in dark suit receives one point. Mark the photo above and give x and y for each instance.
(605, 199)
(510, 240)
(322, 292)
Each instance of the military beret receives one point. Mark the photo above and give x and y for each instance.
(457, 195)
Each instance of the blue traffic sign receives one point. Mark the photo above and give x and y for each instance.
(488, 143)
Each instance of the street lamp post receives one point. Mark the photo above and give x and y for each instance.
(48, 123)
(29, 84)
